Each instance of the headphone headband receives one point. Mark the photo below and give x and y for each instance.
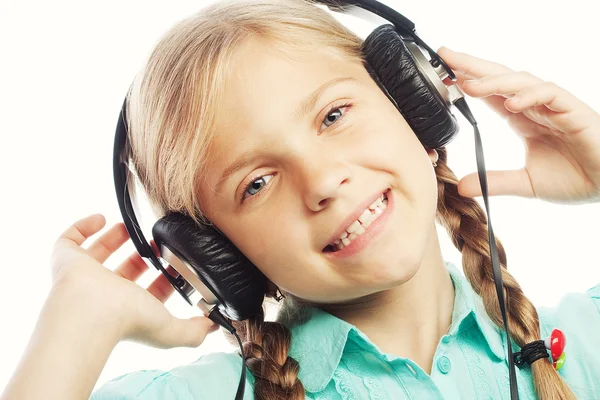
(366, 9)
(125, 205)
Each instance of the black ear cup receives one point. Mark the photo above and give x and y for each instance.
(411, 92)
(238, 285)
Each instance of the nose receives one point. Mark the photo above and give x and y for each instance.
(322, 181)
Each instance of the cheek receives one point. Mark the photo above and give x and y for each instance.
(388, 143)
(277, 246)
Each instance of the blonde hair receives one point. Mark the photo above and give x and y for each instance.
(171, 110)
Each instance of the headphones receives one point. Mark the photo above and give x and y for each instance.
(206, 261)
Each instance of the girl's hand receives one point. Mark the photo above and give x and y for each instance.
(113, 297)
(561, 133)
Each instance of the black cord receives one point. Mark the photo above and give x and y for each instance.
(215, 316)
(240, 392)
(461, 105)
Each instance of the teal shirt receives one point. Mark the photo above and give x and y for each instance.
(338, 361)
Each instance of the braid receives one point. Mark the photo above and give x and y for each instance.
(266, 346)
(466, 224)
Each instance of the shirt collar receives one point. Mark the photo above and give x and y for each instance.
(318, 341)
(319, 338)
(468, 306)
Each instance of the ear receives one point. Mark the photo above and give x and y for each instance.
(433, 155)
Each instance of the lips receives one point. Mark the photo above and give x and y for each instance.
(353, 217)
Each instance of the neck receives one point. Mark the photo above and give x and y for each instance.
(408, 320)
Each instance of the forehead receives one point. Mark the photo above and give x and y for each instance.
(263, 79)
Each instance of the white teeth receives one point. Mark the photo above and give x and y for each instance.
(364, 216)
(359, 226)
(376, 203)
(369, 220)
(353, 227)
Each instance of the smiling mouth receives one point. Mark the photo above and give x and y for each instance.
(359, 226)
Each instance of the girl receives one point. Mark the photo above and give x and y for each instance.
(384, 318)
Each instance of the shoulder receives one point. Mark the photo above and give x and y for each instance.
(579, 312)
(578, 316)
(212, 376)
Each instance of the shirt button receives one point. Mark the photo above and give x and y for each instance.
(444, 364)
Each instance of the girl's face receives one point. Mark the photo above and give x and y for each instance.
(318, 142)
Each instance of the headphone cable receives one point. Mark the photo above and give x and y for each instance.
(461, 105)
(215, 316)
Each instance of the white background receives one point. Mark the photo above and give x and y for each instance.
(66, 66)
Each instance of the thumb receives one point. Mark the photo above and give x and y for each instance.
(185, 332)
(515, 182)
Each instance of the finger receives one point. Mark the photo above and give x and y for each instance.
(83, 229)
(549, 94)
(494, 102)
(185, 332)
(505, 85)
(530, 91)
(109, 242)
(474, 66)
(155, 248)
(132, 268)
(499, 183)
(461, 77)
(161, 288)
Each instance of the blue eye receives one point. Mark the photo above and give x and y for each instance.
(256, 186)
(333, 112)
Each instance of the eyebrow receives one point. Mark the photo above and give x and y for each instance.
(301, 111)
(241, 162)
(311, 101)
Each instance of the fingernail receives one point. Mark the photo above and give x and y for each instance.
(515, 99)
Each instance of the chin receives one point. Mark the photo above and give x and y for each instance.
(392, 274)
